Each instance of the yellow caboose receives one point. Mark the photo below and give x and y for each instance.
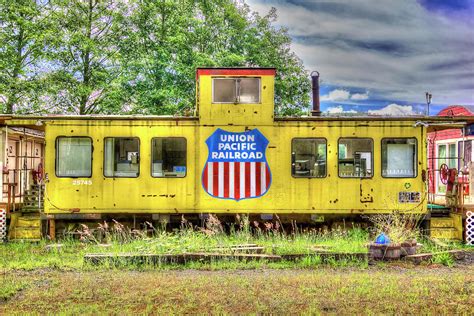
(234, 156)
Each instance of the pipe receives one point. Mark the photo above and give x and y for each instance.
(316, 111)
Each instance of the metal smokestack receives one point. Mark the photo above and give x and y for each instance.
(316, 111)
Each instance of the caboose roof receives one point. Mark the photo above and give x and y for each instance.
(9, 118)
(235, 71)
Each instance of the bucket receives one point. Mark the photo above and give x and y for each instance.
(384, 252)
(392, 252)
(408, 248)
(376, 251)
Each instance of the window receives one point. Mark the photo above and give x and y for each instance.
(73, 157)
(122, 157)
(452, 161)
(236, 90)
(308, 157)
(355, 157)
(399, 158)
(446, 155)
(441, 160)
(168, 157)
(465, 155)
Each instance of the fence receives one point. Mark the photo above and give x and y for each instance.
(3, 225)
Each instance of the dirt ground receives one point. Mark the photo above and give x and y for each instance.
(388, 289)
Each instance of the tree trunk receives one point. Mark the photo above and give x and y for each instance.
(86, 60)
(12, 94)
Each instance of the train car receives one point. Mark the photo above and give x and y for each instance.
(234, 156)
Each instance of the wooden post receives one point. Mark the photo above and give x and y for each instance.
(9, 198)
(52, 229)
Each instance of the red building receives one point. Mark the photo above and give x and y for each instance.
(451, 147)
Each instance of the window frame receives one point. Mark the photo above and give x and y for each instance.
(438, 165)
(56, 158)
(291, 161)
(151, 156)
(139, 160)
(235, 87)
(462, 156)
(415, 160)
(372, 158)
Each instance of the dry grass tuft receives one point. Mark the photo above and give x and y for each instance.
(398, 226)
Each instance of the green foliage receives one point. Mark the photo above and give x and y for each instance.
(118, 239)
(26, 31)
(444, 258)
(136, 56)
(86, 53)
(10, 286)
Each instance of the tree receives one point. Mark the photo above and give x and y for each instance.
(135, 56)
(25, 32)
(268, 46)
(85, 60)
(173, 38)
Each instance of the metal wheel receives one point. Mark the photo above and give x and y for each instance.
(444, 173)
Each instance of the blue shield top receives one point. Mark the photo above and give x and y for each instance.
(245, 146)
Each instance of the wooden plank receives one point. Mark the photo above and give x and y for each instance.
(240, 249)
(418, 258)
(328, 256)
(127, 258)
(238, 246)
(205, 257)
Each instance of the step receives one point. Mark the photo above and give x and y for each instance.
(18, 240)
(31, 197)
(441, 222)
(444, 233)
(36, 186)
(30, 209)
(32, 205)
(28, 221)
(35, 191)
(30, 201)
(25, 233)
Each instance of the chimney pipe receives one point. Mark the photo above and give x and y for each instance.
(316, 111)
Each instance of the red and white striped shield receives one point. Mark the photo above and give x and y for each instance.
(236, 167)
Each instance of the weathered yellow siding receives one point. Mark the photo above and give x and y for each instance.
(286, 194)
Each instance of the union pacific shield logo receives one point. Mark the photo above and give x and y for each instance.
(236, 167)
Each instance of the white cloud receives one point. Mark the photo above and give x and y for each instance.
(398, 50)
(339, 110)
(336, 95)
(344, 95)
(360, 96)
(394, 110)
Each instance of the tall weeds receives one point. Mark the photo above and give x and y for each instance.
(398, 226)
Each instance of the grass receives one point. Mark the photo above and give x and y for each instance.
(30, 256)
(10, 286)
(325, 290)
(445, 259)
(429, 245)
(118, 239)
(38, 278)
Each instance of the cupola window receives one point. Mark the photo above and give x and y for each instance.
(236, 90)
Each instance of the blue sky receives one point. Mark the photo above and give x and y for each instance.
(381, 56)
